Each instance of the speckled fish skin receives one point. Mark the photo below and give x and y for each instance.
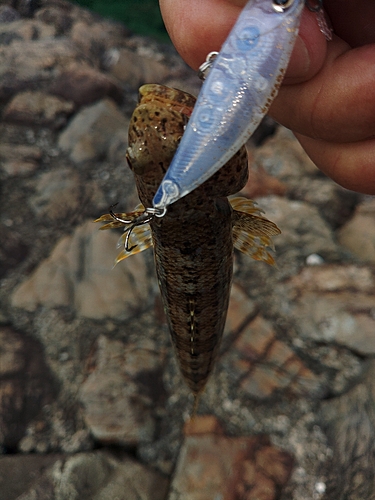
(244, 80)
(193, 244)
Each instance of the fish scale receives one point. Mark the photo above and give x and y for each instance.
(193, 242)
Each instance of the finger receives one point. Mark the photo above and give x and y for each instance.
(338, 103)
(351, 165)
(198, 27)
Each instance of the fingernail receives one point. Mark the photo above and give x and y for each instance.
(299, 62)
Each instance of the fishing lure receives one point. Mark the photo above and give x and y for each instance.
(241, 85)
(193, 243)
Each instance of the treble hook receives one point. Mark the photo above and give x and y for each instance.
(144, 218)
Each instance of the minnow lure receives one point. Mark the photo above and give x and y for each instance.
(193, 242)
(242, 83)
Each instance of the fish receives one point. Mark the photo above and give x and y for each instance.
(193, 242)
(242, 83)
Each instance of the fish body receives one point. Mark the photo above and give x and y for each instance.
(193, 242)
(242, 83)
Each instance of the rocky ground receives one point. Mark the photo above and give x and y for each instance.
(92, 405)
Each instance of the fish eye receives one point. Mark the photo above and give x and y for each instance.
(282, 5)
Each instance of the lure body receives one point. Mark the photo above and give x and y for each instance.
(242, 83)
(193, 242)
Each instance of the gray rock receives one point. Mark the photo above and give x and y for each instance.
(335, 304)
(89, 134)
(58, 194)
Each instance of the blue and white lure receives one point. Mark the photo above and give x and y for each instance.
(241, 85)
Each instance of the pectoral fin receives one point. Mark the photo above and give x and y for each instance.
(252, 233)
(140, 239)
(136, 238)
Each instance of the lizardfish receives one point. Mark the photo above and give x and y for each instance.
(242, 83)
(193, 243)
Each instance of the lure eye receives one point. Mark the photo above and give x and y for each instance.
(282, 5)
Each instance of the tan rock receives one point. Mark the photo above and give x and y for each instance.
(212, 466)
(358, 234)
(79, 273)
(84, 85)
(117, 408)
(134, 69)
(38, 108)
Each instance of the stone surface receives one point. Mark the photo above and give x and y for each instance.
(84, 85)
(358, 234)
(336, 304)
(21, 160)
(38, 108)
(79, 273)
(120, 394)
(26, 65)
(136, 70)
(262, 365)
(212, 466)
(89, 133)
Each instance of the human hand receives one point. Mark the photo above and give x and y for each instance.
(328, 94)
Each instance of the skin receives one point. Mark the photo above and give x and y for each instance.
(328, 95)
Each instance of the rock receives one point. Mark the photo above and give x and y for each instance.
(96, 37)
(135, 70)
(335, 304)
(358, 234)
(132, 481)
(84, 85)
(12, 250)
(20, 159)
(27, 65)
(282, 157)
(261, 365)
(120, 394)
(88, 135)
(212, 466)
(260, 183)
(60, 16)
(25, 384)
(79, 274)
(202, 424)
(20, 472)
(25, 29)
(350, 422)
(335, 203)
(8, 14)
(303, 231)
(241, 309)
(58, 194)
(38, 108)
